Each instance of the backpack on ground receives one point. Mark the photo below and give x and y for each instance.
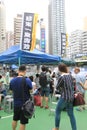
(43, 79)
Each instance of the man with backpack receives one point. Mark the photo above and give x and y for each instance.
(45, 88)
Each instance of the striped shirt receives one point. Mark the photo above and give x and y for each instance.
(66, 87)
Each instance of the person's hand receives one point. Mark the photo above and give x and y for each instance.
(75, 95)
(81, 84)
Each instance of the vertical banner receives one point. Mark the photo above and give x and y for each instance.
(33, 43)
(28, 34)
(63, 44)
(42, 38)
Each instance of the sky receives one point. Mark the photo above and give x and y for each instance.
(76, 10)
(14, 7)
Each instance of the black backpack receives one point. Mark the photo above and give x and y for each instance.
(28, 109)
(43, 79)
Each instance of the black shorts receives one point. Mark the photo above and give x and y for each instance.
(18, 115)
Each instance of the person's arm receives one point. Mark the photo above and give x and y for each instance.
(0, 98)
(10, 89)
(84, 86)
(60, 83)
(29, 84)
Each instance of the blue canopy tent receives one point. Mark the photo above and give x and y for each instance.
(14, 55)
(13, 66)
(68, 61)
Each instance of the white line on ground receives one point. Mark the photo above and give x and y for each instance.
(6, 117)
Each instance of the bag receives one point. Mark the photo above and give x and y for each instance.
(78, 99)
(43, 79)
(28, 109)
(37, 100)
(28, 106)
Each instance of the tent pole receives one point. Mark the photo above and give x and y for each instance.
(19, 61)
(38, 68)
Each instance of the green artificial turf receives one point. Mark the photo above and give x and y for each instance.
(44, 121)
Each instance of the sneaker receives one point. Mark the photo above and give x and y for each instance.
(79, 109)
(41, 106)
(84, 108)
(46, 107)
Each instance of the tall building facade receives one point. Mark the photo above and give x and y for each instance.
(9, 39)
(75, 40)
(56, 25)
(77, 44)
(17, 28)
(2, 26)
(84, 42)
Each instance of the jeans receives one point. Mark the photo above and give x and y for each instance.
(69, 108)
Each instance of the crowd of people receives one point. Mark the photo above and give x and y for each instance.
(42, 85)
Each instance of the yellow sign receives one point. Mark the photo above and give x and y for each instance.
(34, 32)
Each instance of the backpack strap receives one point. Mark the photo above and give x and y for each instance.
(23, 84)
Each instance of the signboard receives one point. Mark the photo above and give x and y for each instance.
(28, 34)
(81, 57)
(63, 43)
(42, 39)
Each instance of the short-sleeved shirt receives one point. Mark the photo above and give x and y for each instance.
(16, 87)
(66, 87)
(79, 78)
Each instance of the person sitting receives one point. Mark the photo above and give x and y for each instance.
(33, 83)
(2, 92)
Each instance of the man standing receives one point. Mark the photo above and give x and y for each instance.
(16, 87)
(45, 88)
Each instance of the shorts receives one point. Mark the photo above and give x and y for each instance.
(45, 91)
(19, 115)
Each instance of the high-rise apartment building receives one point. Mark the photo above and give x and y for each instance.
(84, 42)
(17, 28)
(2, 26)
(9, 39)
(76, 42)
(56, 25)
